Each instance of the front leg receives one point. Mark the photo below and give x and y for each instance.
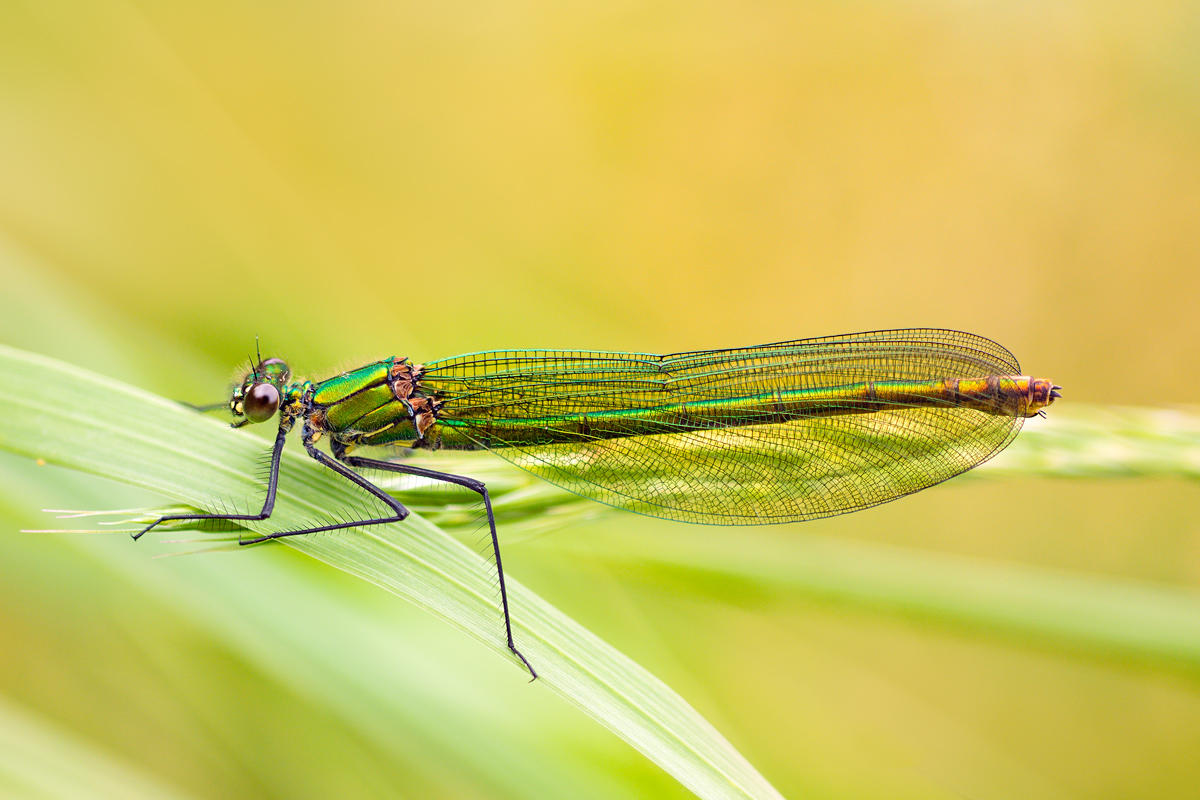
(399, 512)
(268, 504)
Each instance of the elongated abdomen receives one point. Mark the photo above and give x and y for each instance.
(994, 395)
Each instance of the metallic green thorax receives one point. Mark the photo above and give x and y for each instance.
(380, 403)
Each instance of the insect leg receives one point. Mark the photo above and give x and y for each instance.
(468, 483)
(399, 511)
(268, 504)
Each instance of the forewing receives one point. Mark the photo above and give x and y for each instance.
(745, 474)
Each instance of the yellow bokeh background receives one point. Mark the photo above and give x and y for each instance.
(354, 180)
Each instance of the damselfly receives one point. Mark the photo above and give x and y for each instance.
(756, 435)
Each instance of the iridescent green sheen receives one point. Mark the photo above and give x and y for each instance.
(336, 389)
(343, 414)
(391, 421)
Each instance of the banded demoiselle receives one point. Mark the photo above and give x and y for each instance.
(777, 433)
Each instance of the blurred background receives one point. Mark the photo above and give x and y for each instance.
(362, 179)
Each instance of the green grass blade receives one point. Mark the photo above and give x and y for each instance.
(110, 429)
(1086, 441)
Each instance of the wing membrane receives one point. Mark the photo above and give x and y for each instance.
(747, 472)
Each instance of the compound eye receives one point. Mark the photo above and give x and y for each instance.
(261, 402)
